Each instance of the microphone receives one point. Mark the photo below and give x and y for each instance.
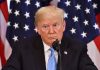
(56, 46)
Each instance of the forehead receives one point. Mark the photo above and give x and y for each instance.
(49, 16)
(50, 20)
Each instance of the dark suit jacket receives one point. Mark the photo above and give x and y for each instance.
(29, 55)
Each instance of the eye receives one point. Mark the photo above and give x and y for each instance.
(45, 26)
(55, 25)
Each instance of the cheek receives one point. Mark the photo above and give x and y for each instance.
(60, 33)
(42, 33)
(61, 30)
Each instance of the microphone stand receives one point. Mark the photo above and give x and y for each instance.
(56, 47)
(60, 63)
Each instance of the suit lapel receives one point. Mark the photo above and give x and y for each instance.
(39, 58)
(64, 53)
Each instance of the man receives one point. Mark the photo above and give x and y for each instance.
(34, 53)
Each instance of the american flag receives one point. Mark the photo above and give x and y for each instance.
(81, 24)
(5, 49)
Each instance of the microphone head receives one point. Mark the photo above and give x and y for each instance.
(55, 45)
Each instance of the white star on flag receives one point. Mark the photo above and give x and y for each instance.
(17, 1)
(83, 34)
(10, 11)
(73, 30)
(15, 38)
(68, 3)
(85, 22)
(96, 26)
(27, 15)
(27, 2)
(37, 4)
(78, 6)
(75, 19)
(65, 15)
(16, 25)
(16, 12)
(26, 27)
(35, 29)
(94, 5)
(8, 24)
(87, 10)
(89, 0)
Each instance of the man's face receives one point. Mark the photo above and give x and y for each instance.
(50, 29)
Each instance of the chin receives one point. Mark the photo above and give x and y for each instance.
(50, 43)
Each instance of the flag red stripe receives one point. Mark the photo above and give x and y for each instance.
(98, 19)
(3, 60)
(4, 9)
(97, 42)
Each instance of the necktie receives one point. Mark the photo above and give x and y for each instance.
(52, 61)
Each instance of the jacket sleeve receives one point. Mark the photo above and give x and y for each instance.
(85, 61)
(14, 61)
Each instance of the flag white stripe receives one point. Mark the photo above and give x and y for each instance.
(94, 53)
(3, 28)
(7, 50)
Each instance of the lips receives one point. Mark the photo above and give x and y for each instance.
(52, 38)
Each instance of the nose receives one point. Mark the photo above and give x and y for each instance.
(51, 30)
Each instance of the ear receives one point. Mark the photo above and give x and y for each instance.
(37, 30)
(64, 25)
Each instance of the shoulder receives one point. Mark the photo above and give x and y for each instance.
(29, 42)
(74, 44)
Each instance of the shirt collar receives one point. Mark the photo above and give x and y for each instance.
(46, 47)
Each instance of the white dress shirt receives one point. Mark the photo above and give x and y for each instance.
(47, 53)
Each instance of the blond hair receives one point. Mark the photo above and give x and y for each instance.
(48, 11)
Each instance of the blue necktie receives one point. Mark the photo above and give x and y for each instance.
(52, 61)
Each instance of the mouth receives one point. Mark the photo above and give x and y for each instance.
(52, 38)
